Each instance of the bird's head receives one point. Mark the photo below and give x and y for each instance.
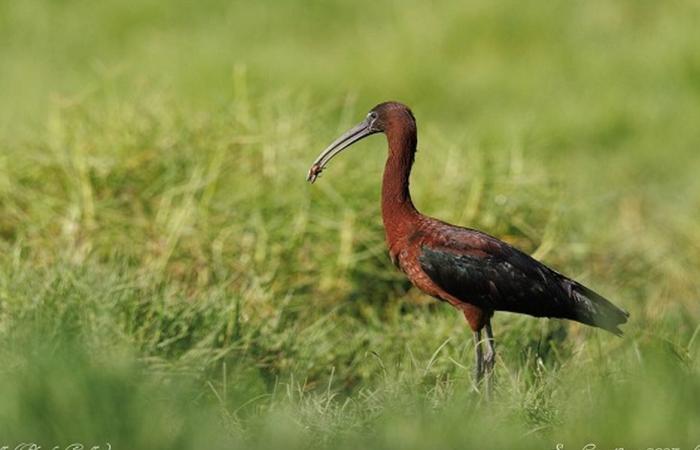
(385, 118)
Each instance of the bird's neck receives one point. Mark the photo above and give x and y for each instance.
(397, 207)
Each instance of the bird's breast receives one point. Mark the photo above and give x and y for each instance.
(406, 257)
(405, 239)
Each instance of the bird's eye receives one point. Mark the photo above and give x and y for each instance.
(372, 115)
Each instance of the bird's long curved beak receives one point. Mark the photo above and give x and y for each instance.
(354, 134)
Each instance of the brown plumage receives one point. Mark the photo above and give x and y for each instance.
(474, 272)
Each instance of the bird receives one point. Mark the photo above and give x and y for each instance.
(475, 272)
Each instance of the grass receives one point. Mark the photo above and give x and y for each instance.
(168, 279)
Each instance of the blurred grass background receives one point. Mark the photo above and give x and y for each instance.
(168, 279)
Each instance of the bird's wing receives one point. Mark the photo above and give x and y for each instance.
(492, 275)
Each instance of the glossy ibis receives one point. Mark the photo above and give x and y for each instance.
(473, 271)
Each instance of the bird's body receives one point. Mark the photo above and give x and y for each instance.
(471, 270)
(480, 274)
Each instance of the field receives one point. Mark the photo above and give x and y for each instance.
(168, 280)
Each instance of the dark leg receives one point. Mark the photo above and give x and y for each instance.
(489, 357)
(479, 361)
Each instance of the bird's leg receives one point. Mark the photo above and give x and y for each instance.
(479, 360)
(489, 358)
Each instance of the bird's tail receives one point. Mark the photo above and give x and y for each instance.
(593, 309)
